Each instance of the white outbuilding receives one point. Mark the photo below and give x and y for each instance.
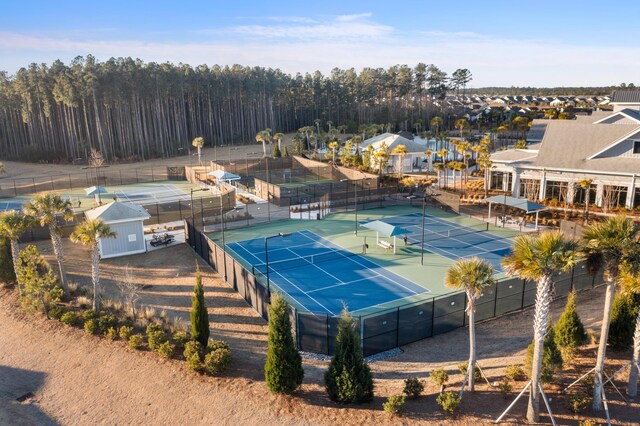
(126, 220)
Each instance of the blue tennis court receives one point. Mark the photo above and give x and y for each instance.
(6, 206)
(452, 240)
(322, 276)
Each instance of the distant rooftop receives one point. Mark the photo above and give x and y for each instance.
(631, 96)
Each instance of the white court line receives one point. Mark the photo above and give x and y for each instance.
(342, 283)
(322, 269)
(304, 292)
(352, 259)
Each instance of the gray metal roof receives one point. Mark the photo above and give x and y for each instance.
(630, 96)
(116, 211)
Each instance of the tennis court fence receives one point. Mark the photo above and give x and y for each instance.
(389, 328)
(99, 176)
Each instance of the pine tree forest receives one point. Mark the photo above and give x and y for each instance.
(132, 110)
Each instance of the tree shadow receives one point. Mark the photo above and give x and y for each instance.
(19, 397)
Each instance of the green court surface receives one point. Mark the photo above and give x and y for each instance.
(339, 229)
(140, 193)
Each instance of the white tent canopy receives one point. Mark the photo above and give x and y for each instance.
(223, 175)
(386, 229)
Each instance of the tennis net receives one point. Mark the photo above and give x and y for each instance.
(454, 232)
(302, 261)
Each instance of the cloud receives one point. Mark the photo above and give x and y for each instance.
(306, 48)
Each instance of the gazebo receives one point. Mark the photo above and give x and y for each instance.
(387, 230)
(518, 203)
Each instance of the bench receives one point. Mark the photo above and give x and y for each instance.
(385, 244)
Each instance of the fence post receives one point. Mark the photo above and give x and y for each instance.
(397, 326)
(296, 318)
(152, 178)
(157, 212)
(70, 186)
(433, 315)
(53, 188)
(524, 285)
(180, 208)
(327, 330)
(120, 177)
(495, 300)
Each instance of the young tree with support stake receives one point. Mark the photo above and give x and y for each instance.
(89, 233)
(538, 259)
(473, 275)
(607, 245)
(283, 370)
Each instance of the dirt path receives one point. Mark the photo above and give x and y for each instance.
(80, 379)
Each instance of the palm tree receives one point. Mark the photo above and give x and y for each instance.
(12, 225)
(381, 156)
(461, 124)
(436, 123)
(630, 283)
(198, 143)
(401, 150)
(585, 184)
(537, 259)
(443, 157)
(264, 136)
(279, 137)
(88, 233)
(429, 154)
(473, 275)
(607, 245)
(45, 209)
(333, 146)
(439, 168)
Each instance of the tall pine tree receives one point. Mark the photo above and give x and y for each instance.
(283, 370)
(199, 314)
(349, 378)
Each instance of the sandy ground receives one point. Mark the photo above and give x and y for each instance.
(81, 379)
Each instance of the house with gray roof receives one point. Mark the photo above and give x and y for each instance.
(126, 220)
(603, 147)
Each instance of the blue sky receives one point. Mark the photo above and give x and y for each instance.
(503, 43)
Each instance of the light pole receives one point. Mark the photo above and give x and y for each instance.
(424, 209)
(266, 256)
(193, 220)
(355, 198)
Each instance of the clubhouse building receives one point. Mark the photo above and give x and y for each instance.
(603, 147)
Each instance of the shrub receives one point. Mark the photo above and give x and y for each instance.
(156, 336)
(107, 321)
(449, 401)
(40, 288)
(393, 405)
(551, 358)
(439, 377)
(180, 338)
(514, 372)
(569, 331)
(463, 370)
(69, 318)
(89, 314)
(125, 332)
(577, 401)
(56, 312)
(193, 352)
(283, 369)
(166, 349)
(199, 314)
(622, 323)
(218, 359)
(91, 326)
(413, 387)
(587, 423)
(111, 333)
(505, 387)
(136, 341)
(349, 378)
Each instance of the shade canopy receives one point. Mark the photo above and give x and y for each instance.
(385, 229)
(95, 190)
(518, 203)
(223, 175)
